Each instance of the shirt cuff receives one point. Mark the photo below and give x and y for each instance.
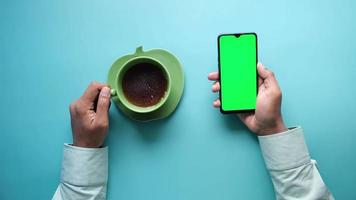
(84, 166)
(284, 150)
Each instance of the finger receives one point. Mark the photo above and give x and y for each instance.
(267, 76)
(217, 103)
(243, 116)
(102, 108)
(263, 72)
(92, 92)
(213, 76)
(246, 117)
(216, 87)
(260, 81)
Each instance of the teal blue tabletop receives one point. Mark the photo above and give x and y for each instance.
(51, 50)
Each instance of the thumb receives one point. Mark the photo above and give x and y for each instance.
(102, 108)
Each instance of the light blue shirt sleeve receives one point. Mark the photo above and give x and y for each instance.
(84, 174)
(294, 174)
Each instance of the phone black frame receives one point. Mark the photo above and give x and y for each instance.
(220, 93)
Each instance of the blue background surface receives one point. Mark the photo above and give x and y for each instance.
(51, 50)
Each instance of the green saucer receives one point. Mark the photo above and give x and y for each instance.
(176, 86)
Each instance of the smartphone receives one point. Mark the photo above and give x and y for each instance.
(237, 55)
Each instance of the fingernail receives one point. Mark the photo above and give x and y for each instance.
(105, 92)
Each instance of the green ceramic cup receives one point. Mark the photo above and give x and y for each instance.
(172, 70)
(121, 73)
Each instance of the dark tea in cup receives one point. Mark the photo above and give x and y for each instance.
(144, 84)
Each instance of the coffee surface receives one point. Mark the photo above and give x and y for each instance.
(144, 84)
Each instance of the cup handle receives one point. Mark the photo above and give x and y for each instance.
(113, 93)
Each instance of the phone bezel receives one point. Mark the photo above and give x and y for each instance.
(220, 92)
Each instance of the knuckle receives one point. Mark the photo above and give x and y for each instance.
(278, 93)
(103, 125)
(71, 107)
(94, 83)
(78, 107)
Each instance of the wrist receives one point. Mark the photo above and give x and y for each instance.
(277, 127)
(86, 144)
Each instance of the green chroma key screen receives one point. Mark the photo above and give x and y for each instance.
(238, 75)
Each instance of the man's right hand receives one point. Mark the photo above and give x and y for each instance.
(89, 116)
(267, 118)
